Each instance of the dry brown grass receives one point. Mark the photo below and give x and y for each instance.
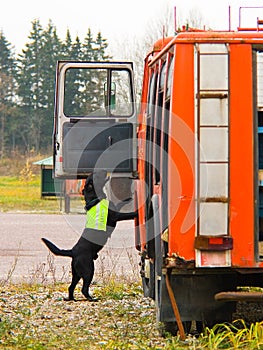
(15, 162)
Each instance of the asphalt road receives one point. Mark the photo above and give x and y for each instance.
(23, 256)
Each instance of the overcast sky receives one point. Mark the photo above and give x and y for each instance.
(114, 18)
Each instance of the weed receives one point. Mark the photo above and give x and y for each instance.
(26, 174)
(236, 335)
(10, 272)
(45, 273)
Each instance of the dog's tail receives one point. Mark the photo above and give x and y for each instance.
(55, 250)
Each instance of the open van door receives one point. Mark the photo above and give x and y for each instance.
(95, 118)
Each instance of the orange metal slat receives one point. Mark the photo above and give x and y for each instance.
(182, 163)
(241, 156)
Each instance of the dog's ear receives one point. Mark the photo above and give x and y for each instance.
(88, 190)
(88, 184)
(89, 180)
(94, 185)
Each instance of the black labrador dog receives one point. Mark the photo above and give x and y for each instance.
(92, 240)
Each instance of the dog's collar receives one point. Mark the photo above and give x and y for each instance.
(95, 200)
(92, 203)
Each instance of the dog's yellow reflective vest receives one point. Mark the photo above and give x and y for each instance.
(97, 216)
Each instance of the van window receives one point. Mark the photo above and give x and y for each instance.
(97, 92)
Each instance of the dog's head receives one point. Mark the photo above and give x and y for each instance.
(94, 185)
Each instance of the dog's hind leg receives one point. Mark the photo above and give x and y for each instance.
(71, 288)
(85, 290)
(74, 282)
(87, 281)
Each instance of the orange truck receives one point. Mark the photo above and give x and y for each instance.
(195, 155)
(200, 159)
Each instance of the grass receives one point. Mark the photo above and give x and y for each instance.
(234, 336)
(20, 185)
(19, 195)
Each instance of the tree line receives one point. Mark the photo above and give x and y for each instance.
(27, 83)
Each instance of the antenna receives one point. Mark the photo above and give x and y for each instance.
(175, 24)
(229, 18)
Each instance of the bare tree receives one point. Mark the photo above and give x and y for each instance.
(195, 18)
(162, 26)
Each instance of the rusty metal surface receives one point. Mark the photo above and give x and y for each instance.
(178, 262)
(240, 296)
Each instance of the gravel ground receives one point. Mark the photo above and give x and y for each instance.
(40, 319)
